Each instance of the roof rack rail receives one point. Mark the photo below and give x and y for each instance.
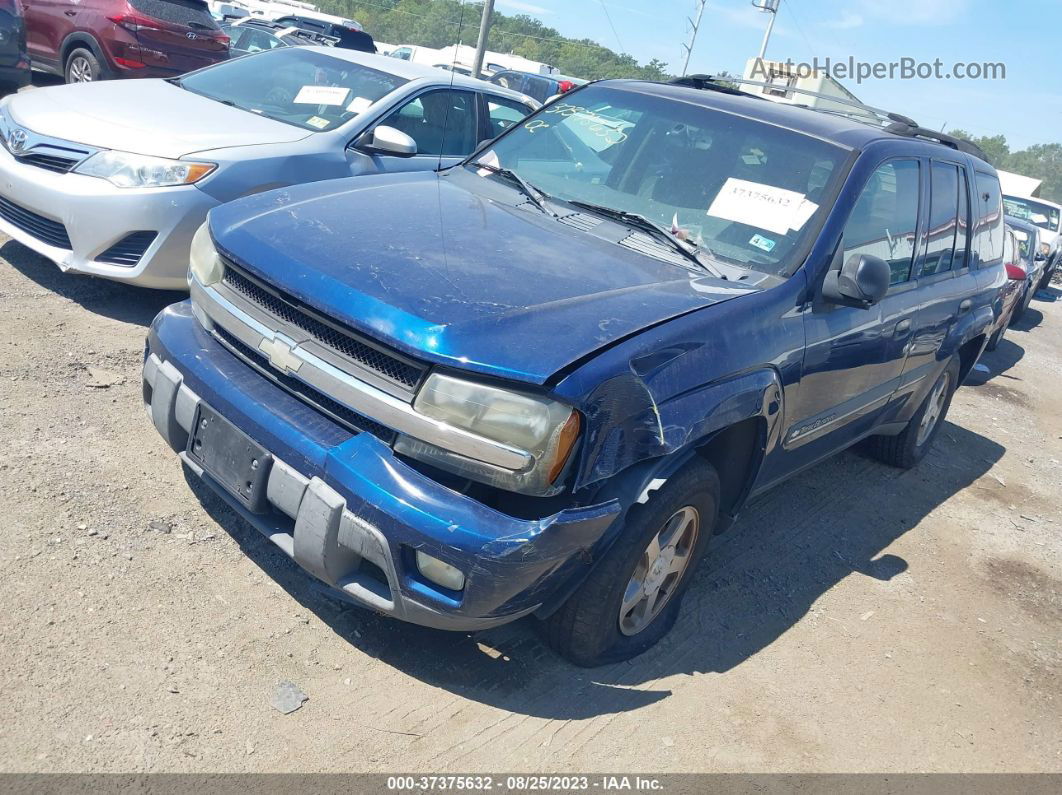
(891, 122)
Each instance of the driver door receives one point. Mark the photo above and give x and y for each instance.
(854, 358)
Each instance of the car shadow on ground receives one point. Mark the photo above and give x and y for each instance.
(122, 302)
(997, 363)
(759, 579)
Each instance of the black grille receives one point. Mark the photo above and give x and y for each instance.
(128, 250)
(348, 418)
(56, 163)
(51, 232)
(345, 343)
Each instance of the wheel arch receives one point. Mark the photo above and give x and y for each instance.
(80, 38)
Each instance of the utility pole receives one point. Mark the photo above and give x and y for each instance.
(771, 7)
(481, 43)
(694, 27)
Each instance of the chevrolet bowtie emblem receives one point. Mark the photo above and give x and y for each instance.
(281, 353)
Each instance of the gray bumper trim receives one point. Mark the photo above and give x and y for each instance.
(327, 540)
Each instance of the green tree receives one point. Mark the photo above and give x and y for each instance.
(438, 23)
(994, 146)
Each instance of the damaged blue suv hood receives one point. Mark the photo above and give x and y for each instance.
(456, 269)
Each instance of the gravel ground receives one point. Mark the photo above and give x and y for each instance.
(857, 618)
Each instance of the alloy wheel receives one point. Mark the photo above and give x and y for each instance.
(934, 409)
(659, 571)
(80, 70)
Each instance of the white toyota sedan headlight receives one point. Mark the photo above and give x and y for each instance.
(204, 261)
(126, 170)
(545, 429)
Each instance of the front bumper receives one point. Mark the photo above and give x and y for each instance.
(350, 512)
(97, 215)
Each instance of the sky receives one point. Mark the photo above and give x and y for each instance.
(1025, 35)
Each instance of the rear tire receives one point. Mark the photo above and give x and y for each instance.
(82, 66)
(911, 445)
(612, 615)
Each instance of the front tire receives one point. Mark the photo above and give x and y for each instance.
(911, 445)
(632, 597)
(82, 66)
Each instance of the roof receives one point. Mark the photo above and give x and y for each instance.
(842, 130)
(417, 71)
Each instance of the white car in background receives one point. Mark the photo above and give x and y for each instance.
(94, 183)
(1047, 217)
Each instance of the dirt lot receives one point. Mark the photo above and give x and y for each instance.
(857, 619)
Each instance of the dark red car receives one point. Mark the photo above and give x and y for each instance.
(101, 39)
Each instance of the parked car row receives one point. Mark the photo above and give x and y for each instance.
(517, 365)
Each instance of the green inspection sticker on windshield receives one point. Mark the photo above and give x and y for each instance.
(761, 242)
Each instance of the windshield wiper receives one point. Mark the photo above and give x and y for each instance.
(658, 231)
(538, 197)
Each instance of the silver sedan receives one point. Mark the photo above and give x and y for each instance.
(113, 178)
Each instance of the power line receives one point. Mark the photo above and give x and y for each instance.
(609, 18)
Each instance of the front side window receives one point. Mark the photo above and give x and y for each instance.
(943, 218)
(747, 192)
(884, 220)
(442, 122)
(299, 85)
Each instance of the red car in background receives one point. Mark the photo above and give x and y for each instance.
(91, 40)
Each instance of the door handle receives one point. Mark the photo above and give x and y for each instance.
(903, 326)
(965, 306)
(70, 13)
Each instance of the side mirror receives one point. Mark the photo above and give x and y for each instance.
(384, 140)
(1040, 256)
(861, 282)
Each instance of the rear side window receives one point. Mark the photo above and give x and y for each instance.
(504, 113)
(884, 220)
(988, 231)
(943, 218)
(190, 13)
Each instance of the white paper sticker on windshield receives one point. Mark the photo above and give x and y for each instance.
(359, 105)
(763, 206)
(321, 95)
(318, 122)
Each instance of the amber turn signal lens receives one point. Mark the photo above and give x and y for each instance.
(565, 442)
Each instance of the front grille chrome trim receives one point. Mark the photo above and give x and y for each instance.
(364, 398)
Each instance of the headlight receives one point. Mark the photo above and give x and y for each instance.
(546, 429)
(204, 262)
(127, 170)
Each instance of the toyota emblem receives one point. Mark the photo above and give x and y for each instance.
(17, 140)
(191, 35)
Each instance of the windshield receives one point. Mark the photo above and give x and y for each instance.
(300, 86)
(745, 190)
(1042, 215)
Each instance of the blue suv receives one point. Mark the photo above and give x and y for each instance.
(538, 382)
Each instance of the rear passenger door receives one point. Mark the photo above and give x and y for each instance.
(943, 276)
